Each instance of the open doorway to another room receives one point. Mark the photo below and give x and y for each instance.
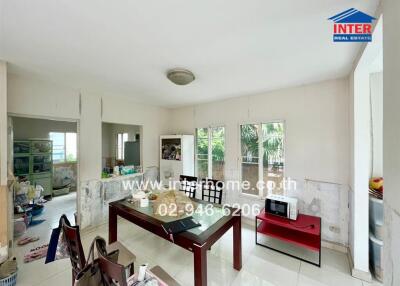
(45, 167)
(121, 149)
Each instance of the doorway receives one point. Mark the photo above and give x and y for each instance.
(44, 160)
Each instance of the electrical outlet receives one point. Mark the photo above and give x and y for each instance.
(334, 229)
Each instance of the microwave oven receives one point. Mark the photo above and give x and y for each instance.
(281, 206)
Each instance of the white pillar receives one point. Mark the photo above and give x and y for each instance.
(362, 155)
(3, 123)
(361, 172)
(90, 152)
(4, 215)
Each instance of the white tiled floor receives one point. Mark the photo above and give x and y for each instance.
(36, 272)
(261, 267)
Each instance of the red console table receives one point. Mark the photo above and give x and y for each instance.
(304, 232)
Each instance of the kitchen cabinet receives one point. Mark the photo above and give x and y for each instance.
(33, 160)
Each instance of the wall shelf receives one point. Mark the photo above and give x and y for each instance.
(171, 165)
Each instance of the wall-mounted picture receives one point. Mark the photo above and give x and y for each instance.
(171, 149)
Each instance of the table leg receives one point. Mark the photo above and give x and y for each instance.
(200, 265)
(112, 225)
(237, 243)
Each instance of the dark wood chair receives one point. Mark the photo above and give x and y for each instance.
(188, 185)
(212, 190)
(164, 276)
(112, 272)
(77, 255)
(74, 245)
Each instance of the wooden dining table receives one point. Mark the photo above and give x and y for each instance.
(214, 224)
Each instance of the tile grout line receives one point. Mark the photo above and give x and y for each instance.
(298, 274)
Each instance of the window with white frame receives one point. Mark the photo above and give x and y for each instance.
(210, 152)
(121, 139)
(64, 146)
(262, 157)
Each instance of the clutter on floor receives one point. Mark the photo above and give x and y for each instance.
(27, 239)
(8, 267)
(36, 253)
(64, 179)
(57, 247)
(28, 203)
(8, 272)
(61, 191)
(31, 236)
(3, 253)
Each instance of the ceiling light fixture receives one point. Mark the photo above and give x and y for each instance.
(180, 76)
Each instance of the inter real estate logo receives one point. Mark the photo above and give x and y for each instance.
(352, 26)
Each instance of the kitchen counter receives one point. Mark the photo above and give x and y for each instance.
(95, 195)
(121, 177)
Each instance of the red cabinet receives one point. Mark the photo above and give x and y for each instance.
(304, 232)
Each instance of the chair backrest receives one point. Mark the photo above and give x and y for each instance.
(211, 190)
(113, 273)
(74, 244)
(188, 185)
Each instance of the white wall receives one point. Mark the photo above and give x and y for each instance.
(317, 133)
(27, 96)
(29, 128)
(316, 118)
(37, 98)
(391, 140)
(154, 121)
(376, 83)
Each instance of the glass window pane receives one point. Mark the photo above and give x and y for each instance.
(218, 152)
(21, 165)
(70, 148)
(118, 146)
(249, 152)
(58, 146)
(273, 157)
(202, 152)
(41, 163)
(121, 138)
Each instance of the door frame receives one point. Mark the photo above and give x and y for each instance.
(78, 181)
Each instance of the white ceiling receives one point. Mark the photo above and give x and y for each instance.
(234, 47)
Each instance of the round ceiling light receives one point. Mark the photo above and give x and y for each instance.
(180, 76)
